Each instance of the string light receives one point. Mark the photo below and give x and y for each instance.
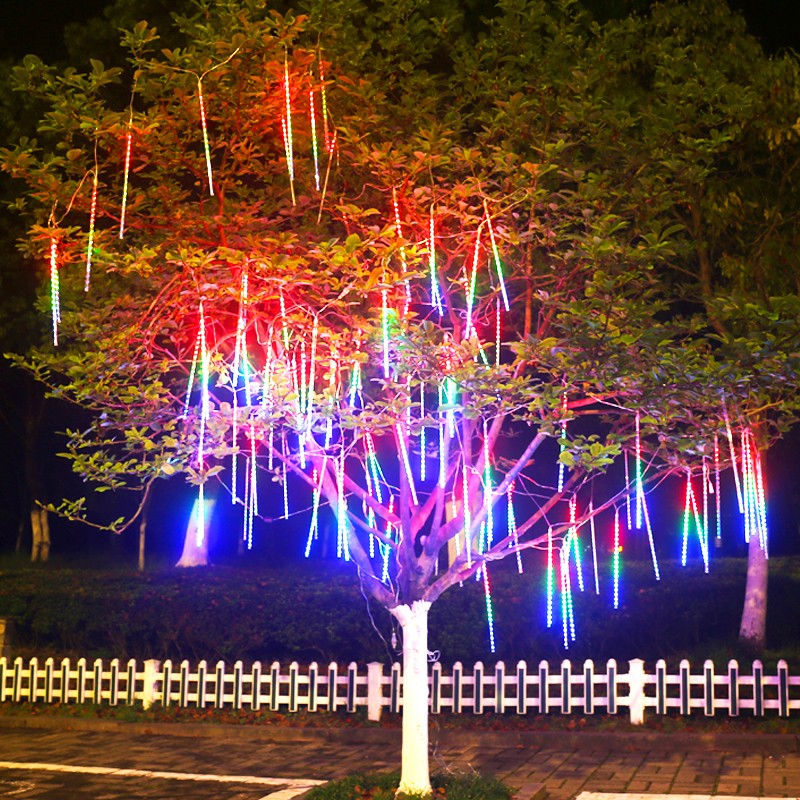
(496, 254)
(627, 492)
(343, 544)
(467, 511)
(562, 444)
(487, 488)
(717, 492)
(205, 406)
(192, 373)
(497, 334)
(550, 577)
(55, 291)
(754, 498)
(90, 243)
(329, 142)
(286, 125)
(385, 328)
(385, 549)
(199, 534)
(403, 261)
(285, 482)
(575, 540)
(639, 490)
(734, 465)
(314, 527)
(313, 116)
(616, 557)
(422, 450)
(487, 593)
(594, 549)
(650, 538)
(512, 524)
(126, 173)
(690, 507)
(471, 282)
(205, 135)
(436, 298)
(567, 616)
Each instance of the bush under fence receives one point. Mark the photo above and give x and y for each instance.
(521, 690)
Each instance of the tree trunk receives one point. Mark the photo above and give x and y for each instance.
(195, 541)
(415, 772)
(40, 528)
(143, 527)
(753, 629)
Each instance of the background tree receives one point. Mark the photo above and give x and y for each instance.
(425, 266)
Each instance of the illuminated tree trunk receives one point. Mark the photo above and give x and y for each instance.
(195, 542)
(753, 628)
(415, 772)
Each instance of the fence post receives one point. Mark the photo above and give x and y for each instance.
(152, 667)
(6, 632)
(374, 690)
(636, 690)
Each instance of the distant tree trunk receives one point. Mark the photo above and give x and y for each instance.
(143, 527)
(753, 628)
(195, 541)
(40, 527)
(415, 775)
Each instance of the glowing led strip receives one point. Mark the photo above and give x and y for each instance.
(90, 243)
(422, 450)
(497, 341)
(487, 593)
(562, 445)
(385, 329)
(650, 538)
(471, 280)
(550, 577)
(287, 127)
(732, 447)
(313, 115)
(343, 544)
(55, 292)
(615, 562)
(495, 252)
(467, 512)
(329, 142)
(314, 527)
(126, 173)
(629, 517)
(717, 491)
(204, 415)
(205, 135)
(399, 230)
(406, 462)
(638, 489)
(436, 298)
(594, 549)
(512, 524)
(575, 540)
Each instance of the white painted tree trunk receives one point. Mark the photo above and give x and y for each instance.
(195, 548)
(753, 628)
(415, 772)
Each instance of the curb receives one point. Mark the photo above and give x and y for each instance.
(769, 743)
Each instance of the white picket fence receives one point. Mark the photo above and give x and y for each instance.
(583, 690)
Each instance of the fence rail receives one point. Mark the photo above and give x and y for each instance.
(582, 689)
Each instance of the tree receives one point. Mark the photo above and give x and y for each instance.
(424, 267)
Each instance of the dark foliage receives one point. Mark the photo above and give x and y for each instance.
(305, 613)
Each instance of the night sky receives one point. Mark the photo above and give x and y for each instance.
(35, 26)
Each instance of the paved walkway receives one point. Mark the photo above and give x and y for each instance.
(207, 762)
